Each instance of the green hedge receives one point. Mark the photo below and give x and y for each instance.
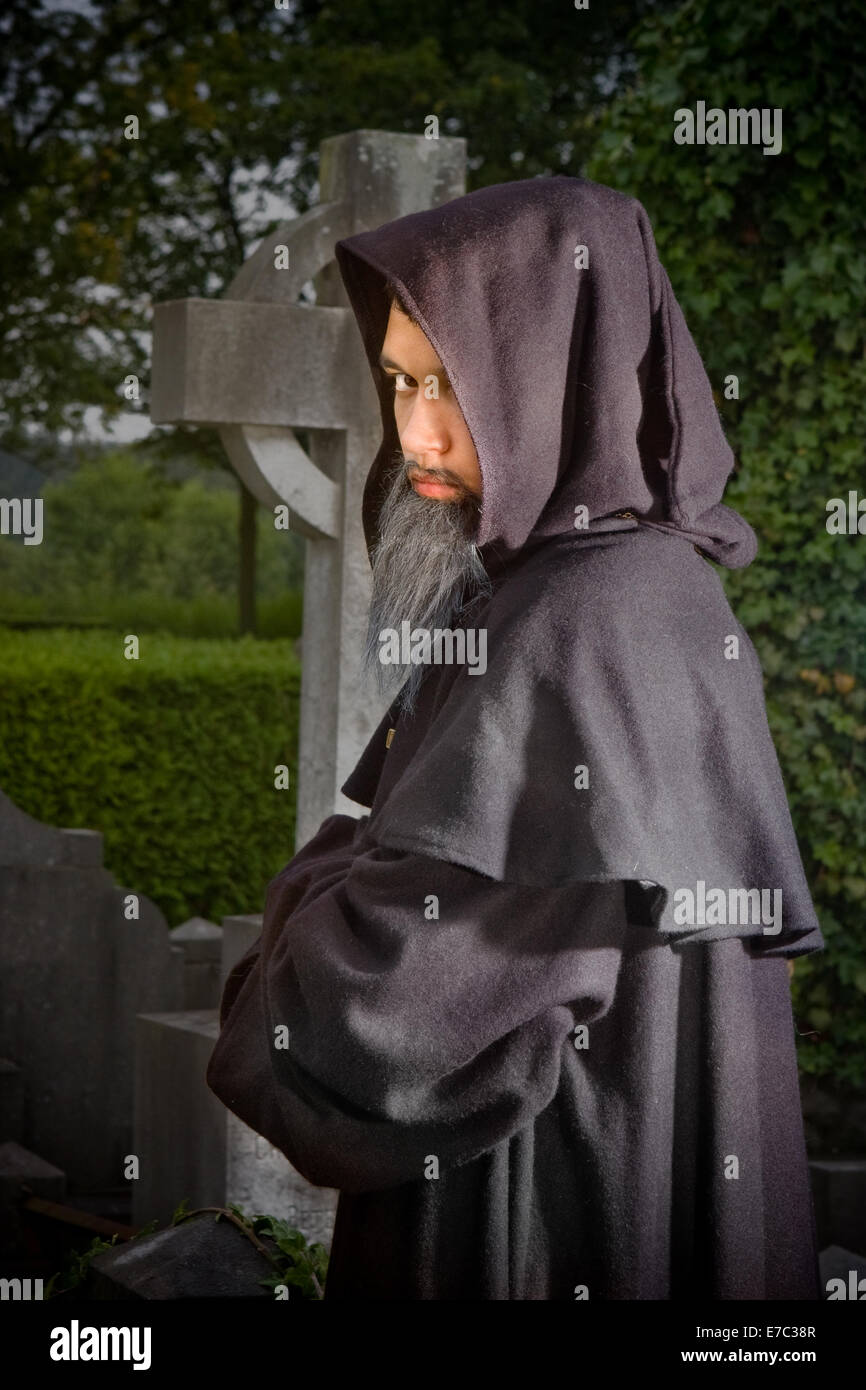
(171, 757)
(205, 615)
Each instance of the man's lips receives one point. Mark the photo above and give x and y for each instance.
(430, 487)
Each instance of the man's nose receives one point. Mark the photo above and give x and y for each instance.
(425, 431)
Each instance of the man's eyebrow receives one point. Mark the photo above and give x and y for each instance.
(388, 362)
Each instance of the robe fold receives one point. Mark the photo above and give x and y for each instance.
(560, 1168)
(534, 1008)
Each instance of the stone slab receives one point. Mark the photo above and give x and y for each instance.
(199, 1258)
(19, 1168)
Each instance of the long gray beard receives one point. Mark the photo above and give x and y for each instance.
(427, 570)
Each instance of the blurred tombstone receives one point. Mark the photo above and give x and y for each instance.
(201, 943)
(189, 1145)
(74, 972)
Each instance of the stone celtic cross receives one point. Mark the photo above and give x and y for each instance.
(260, 363)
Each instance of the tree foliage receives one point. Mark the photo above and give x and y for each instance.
(232, 99)
(766, 255)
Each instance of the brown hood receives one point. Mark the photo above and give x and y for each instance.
(579, 386)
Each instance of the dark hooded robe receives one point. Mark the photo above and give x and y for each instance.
(540, 1023)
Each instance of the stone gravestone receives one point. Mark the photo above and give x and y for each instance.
(257, 365)
(189, 1144)
(74, 972)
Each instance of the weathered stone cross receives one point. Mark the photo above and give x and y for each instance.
(258, 365)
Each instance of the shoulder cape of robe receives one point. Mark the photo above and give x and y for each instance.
(538, 1003)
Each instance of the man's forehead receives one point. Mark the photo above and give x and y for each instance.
(385, 361)
(403, 337)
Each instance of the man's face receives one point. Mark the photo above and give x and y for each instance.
(427, 569)
(434, 437)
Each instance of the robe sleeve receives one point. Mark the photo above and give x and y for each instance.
(399, 1009)
(331, 847)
